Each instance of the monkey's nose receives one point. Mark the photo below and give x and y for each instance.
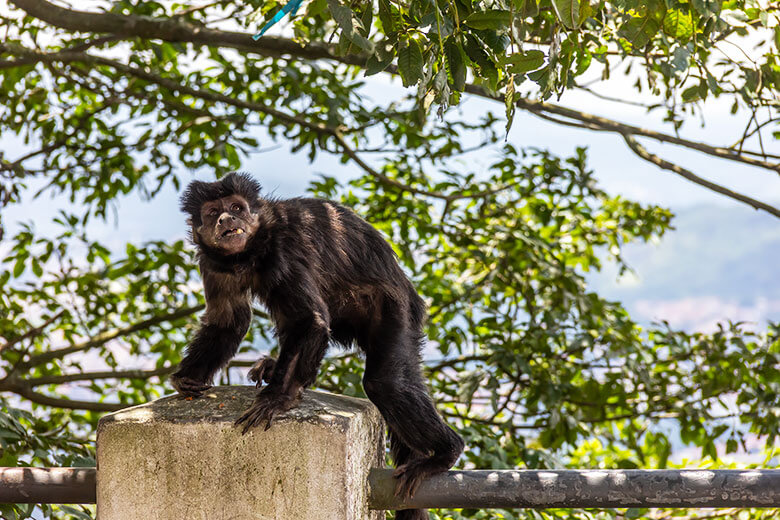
(226, 218)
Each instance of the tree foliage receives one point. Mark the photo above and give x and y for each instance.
(535, 369)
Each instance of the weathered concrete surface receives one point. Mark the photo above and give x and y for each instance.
(184, 460)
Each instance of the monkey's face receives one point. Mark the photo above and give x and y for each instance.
(228, 224)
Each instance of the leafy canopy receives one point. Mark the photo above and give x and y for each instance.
(534, 368)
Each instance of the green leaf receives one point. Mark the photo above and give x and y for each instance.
(586, 11)
(679, 25)
(640, 30)
(583, 60)
(691, 94)
(509, 102)
(18, 267)
(381, 59)
(523, 62)
(455, 63)
(495, 19)
(351, 27)
(36, 268)
(342, 14)
(707, 8)
(568, 12)
(481, 56)
(367, 20)
(386, 17)
(410, 63)
(681, 58)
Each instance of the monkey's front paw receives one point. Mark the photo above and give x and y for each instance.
(189, 387)
(265, 407)
(409, 477)
(262, 371)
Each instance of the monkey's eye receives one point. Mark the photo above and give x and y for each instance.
(213, 212)
(236, 208)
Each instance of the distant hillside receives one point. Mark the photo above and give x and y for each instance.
(718, 263)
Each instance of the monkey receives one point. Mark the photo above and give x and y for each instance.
(325, 276)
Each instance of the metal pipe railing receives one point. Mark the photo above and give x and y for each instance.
(47, 485)
(482, 489)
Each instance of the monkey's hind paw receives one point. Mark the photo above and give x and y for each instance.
(263, 410)
(262, 371)
(189, 387)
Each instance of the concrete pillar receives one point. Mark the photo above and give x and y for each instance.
(177, 459)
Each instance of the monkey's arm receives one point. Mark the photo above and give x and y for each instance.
(224, 325)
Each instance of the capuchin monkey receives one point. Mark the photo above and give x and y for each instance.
(325, 276)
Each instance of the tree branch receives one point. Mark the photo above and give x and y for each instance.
(178, 30)
(83, 119)
(174, 29)
(58, 402)
(93, 376)
(210, 95)
(105, 337)
(603, 124)
(679, 170)
(392, 182)
(23, 387)
(118, 374)
(32, 332)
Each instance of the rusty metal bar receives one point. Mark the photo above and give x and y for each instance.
(583, 488)
(47, 485)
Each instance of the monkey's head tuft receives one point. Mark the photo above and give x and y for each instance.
(223, 214)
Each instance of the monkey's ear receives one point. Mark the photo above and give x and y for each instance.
(192, 232)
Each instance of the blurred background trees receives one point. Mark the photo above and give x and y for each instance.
(104, 102)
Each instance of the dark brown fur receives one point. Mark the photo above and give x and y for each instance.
(325, 275)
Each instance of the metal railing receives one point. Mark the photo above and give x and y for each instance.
(47, 485)
(482, 489)
(538, 489)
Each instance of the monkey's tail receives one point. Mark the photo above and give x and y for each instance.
(401, 455)
(412, 514)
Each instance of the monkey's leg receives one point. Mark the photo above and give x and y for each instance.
(394, 383)
(213, 345)
(303, 343)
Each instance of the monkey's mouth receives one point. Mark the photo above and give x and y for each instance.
(231, 233)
